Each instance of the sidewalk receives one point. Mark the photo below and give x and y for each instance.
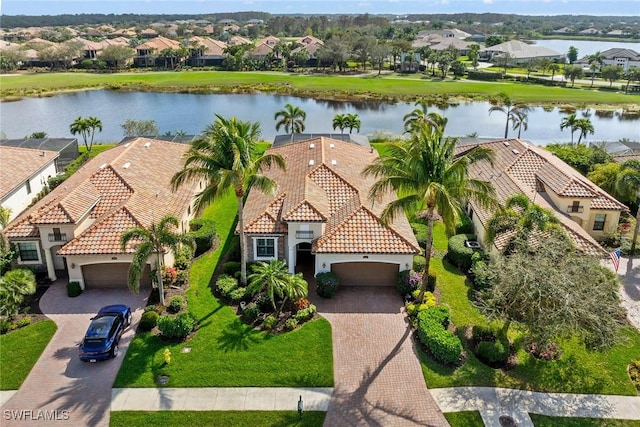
(496, 402)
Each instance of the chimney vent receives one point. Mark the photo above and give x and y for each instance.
(126, 165)
(147, 145)
(312, 162)
(312, 146)
(334, 162)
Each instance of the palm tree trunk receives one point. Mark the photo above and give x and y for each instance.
(160, 284)
(506, 127)
(243, 243)
(427, 254)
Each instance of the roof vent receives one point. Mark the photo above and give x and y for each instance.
(42, 154)
(127, 144)
(126, 165)
(147, 145)
(332, 145)
(102, 166)
(312, 162)
(514, 151)
(334, 162)
(312, 146)
(506, 143)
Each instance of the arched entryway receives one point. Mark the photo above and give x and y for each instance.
(305, 260)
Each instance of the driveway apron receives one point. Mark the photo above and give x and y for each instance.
(378, 378)
(60, 389)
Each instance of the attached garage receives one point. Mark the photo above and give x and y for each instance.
(366, 273)
(111, 275)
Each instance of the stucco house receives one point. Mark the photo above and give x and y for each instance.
(24, 172)
(146, 52)
(520, 52)
(75, 230)
(587, 212)
(321, 216)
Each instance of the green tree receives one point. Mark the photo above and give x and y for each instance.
(510, 109)
(420, 116)
(572, 72)
(493, 40)
(553, 291)
(632, 74)
(428, 177)
(571, 122)
(15, 285)
(595, 64)
(611, 73)
(117, 55)
(226, 158)
(38, 135)
(621, 180)
(5, 214)
(86, 127)
(585, 127)
(352, 121)
(274, 279)
(12, 58)
(292, 118)
(340, 122)
(554, 68)
(572, 54)
(379, 53)
(133, 127)
(582, 158)
(474, 55)
(157, 238)
(458, 69)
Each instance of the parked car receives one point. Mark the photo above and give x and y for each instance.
(103, 335)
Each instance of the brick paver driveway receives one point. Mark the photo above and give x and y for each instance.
(378, 379)
(60, 385)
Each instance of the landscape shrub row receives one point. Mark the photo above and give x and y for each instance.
(443, 345)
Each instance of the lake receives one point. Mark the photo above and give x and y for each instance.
(191, 113)
(585, 47)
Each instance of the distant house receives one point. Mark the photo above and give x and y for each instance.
(520, 52)
(237, 41)
(625, 58)
(75, 230)
(589, 32)
(311, 45)
(586, 212)
(206, 51)
(65, 148)
(322, 219)
(24, 173)
(146, 52)
(563, 30)
(446, 33)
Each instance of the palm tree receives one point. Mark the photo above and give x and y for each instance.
(570, 122)
(585, 127)
(86, 128)
(425, 173)
(509, 109)
(595, 64)
(554, 68)
(520, 122)
(157, 238)
(352, 121)
(519, 218)
(340, 121)
(226, 159)
(14, 286)
(274, 279)
(418, 115)
(292, 118)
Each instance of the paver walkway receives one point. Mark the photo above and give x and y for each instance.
(629, 272)
(60, 385)
(378, 378)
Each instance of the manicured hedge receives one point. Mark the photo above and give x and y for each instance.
(149, 320)
(177, 327)
(73, 289)
(443, 345)
(484, 75)
(458, 254)
(226, 285)
(327, 284)
(204, 233)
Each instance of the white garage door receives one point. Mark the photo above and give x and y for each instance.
(111, 275)
(366, 273)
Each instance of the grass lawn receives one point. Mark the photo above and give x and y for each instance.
(391, 87)
(225, 352)
(464, 419)
(577, 371)
(217, 418)
(20, 350)
(544, 421)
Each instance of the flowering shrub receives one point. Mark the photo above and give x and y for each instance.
(413, 308)
(169, 275)
(305, 314)
(408, 281)
(327, 284)
(301, 304)
(549, 351)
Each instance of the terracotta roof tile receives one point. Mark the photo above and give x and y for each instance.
(304, 212)
(19, 164)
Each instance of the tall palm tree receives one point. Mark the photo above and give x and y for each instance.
(93, 124)
(14, 286)
(509, 109)
(415, 117)
(86, 127)
(226, 159)
(585, 127)
(595, 64)
(520, 217)
(520, 122)
(426, 175)
(340, 122)
(292, 118)
(352, 122)
(157, 238)
(570, 122)
(274, 279)
(554, 68)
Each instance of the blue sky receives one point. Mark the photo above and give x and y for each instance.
(399, 7)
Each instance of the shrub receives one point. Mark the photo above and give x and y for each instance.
(549, 351)
(408, 281)
(233, 251)
(484, 75)
(269, 322)
(177, 327)
(152, 307)
(5, 325)
(458, 254)
(419, 263)
(149, 320)
(169, 275)
(182, 277)
(465, 226)
(484, 333)
(231, 268)
(306, 313)
(290, 324)
(238, 294)
(183, 258)
(442, 344)
(25, 321)
(175, 304)
(327, 284)
(439, 314)
(203, 232)
(634, 373)
(413, 308)
(251, 312)
(420, 231)
(493, 352)
(226, 284)
(74, 289)
(301, 304)
(264, 303)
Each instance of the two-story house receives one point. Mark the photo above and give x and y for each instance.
(75, 230)
(322, 218)
(586, 211)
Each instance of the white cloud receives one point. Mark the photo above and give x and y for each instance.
(487, 1)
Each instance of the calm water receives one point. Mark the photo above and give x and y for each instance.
(192, 113)
(585, 47)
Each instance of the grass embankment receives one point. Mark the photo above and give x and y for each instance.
(391, 87)
(217, 418)
(225, 352)
(464, 419)
(20, 350)
(544, 421)
(577, 371)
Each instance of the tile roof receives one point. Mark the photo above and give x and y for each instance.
(130, 182)
(323, 183)
(519, 167)
(19, 164)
